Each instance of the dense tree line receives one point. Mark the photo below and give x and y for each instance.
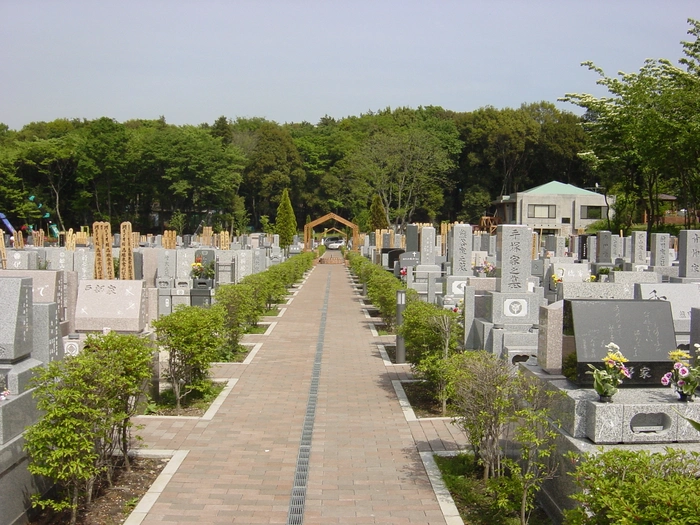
(424, 164)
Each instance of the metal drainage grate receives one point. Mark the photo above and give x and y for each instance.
(297, 502)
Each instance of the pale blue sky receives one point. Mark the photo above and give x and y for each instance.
(294, 60)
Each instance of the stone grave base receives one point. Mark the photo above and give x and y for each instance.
(637, 419)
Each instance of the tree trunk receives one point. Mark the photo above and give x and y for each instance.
(74, 505)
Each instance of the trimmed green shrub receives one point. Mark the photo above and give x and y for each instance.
(87, 402)
(640, 487)
(191, 335)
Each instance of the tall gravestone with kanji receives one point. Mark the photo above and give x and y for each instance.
(507, 328)
(460, 249)
(689, 254)
(660, 243)
(513, 257)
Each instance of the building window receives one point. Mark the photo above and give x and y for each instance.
(593, 212)
(566, 220)
(541, 211)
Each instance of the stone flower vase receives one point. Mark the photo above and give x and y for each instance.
(604, 399)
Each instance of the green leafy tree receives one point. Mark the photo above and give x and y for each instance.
(431, 337)
(475, 203)
(61, 445)
(191, 336)
(178, 222)
(643, 134)
(535, 438)
(378, 219)
(285, 222)
(52, 164)
(128, 359)
(87, 402)
(273, 165)
(486, 396)
(407, 169)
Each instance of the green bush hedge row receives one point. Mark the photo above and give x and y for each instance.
(244, 303)
(381, 286)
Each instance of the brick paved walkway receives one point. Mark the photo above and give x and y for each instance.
(365, 467)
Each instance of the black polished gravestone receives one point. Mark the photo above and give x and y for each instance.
(390, 256)
(642, 329)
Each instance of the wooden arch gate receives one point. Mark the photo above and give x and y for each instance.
(308, 231)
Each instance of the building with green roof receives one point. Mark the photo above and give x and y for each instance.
(554, 208)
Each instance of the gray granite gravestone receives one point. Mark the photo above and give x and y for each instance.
(560, 246)
(595, 291)
(485, 242)
(514, 255)
(84, 263)
(15, 318)
(427, 245)
(689, 254)
(118, 305)
(604, 247)
(259, 260)
(205, 256)
(409, 259)
(616, 249)
(59, 259)
(461, 249)
(639, 248)
(660, 243)
(167, 264)
(48, 286)
(550, 243)
(373, 239)
(244, 264)
(592, 250)
(183, 263)
(46, 338)
(22, 260)
(683, 298)
(549, 337)
(643, 330)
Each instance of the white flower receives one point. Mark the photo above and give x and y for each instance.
(612, 346)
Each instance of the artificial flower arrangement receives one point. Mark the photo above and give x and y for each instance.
(683, 377)
(606, 380)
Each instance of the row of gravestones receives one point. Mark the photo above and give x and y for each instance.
(502, 313)
(191, 241)
(29, 338)
(46, 314)
(170, 271)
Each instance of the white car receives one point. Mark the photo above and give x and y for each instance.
(336, 245)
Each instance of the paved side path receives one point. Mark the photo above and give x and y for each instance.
(364, 465)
